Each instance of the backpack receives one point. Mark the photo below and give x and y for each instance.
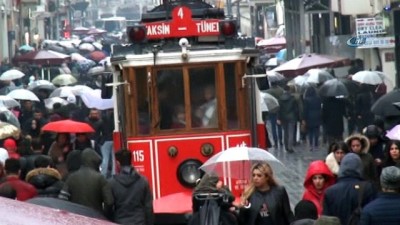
(354, 218)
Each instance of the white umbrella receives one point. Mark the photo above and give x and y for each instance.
(268, 102)
(274, 76)
(77, 57)
(236, 162)
(62, 92)
(64, 80)
(272, 62)
(23, 94)
(80, 89)
(318, 76)
(8, 130)
(97, 70)
(9, 102)
(367, 77)
(9, 116)
(92, 99)
(98, 45)
(86, 47)
(11, 75)
(41, 84)
(49, 102)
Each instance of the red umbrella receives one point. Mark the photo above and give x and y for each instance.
(302, 63)
(43, 57)
(22, 213)
(163, 204)
(68, 126)
(97, 56)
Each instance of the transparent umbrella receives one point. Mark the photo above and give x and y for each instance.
(64, 80)
(9, 117)
(236, 162)
(8, 102)
(12, 75)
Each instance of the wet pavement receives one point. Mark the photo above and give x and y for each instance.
(296, 164)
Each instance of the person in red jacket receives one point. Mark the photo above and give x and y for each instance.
(23, 189)
(318, 179)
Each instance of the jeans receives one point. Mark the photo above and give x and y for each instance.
(313, 136)
(276, 129)
(107, 151)
(289, 128)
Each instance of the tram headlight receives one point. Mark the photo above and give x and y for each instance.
(188, 172)
(136, 33)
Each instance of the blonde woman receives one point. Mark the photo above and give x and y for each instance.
(264, 201)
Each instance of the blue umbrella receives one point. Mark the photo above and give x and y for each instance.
(281, 55)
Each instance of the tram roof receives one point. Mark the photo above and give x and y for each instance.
(170, 58)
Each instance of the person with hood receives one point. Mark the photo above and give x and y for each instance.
(264, 201)
(87, 186)
(341, 199)
(337, 151)
(384, 210)
(287, 117)
(305, 213)
(359, 144)
(312, 116)
(133, 202)
(45, 179)
(318, 179)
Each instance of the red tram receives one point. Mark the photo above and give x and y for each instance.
(182, 95)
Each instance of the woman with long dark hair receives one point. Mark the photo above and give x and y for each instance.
(392, 157)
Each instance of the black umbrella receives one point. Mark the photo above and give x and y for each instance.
(71, 207)
(353, 87)
(384, 105)
(333, 88)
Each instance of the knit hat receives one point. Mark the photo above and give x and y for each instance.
(390, 178)
(305, 210)
(371, 131)
(327, 220)
(9, 143)
(71, 99)
(351, 166)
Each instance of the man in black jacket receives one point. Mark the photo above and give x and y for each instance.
(133, 200)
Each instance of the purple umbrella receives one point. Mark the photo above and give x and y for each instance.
(394, 133)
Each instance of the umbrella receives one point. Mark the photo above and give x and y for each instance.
(394, 133)
(9, 102)
(384, 105)
(68, 126)
(8, 130)
(64, 80)
(282, 55)
(299, 82)
(333, 88)
(96, 31)
(272, 42)
(163, 204)
(352, 86)
(62, 92)
(97, 56)
(318, 76)
(68, 206)
(236, 162)
(367, 77)
(92, 99)
(268, 102)
(272, 62)
(43, 57)
(80, 30)
(88, 39)
(23, 94)
(26, 48)
(77, 57)
(41, 84)
(303, 63)
(80, 89)
(11, 75)
(49, 102)
(97, 70)
(23, 213)
(9, 117)
(86, 47)
(274, 76)
(98, 45)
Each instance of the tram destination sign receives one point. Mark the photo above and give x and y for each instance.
(182, 25)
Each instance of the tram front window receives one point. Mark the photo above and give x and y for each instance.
(171, 99)
(203, 97)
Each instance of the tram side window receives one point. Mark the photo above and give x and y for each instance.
(203, 97)
(142, 101)
(230, 94)
(171, 99)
